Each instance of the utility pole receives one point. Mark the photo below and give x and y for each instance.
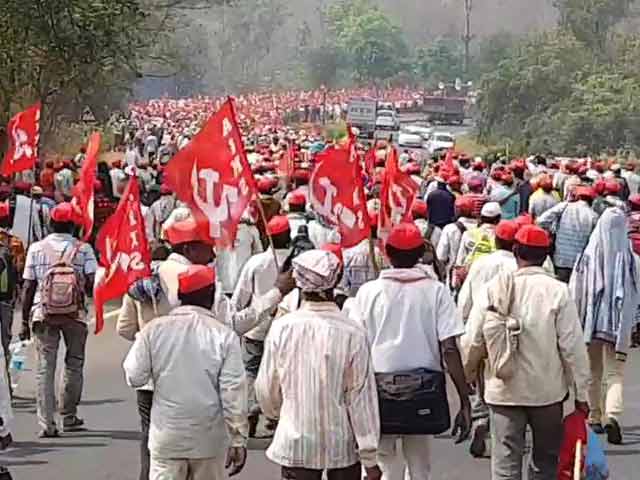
(468, 6)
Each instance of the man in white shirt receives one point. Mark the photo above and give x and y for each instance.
(296, 202)
(229, 263)
(132, 156)
(480, 274)
(41, 256)
(551, 358)
(199, 413)
(421, 219)
(449, 244)
(258, 277)
(410, 318)
(317, 360)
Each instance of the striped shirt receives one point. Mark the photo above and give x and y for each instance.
(43, 254)
(358, 268)
(573, 224)
(316, 377)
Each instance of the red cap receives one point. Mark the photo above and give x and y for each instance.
(497, 174)
(506, 230)
(266, 184)
(22, 186)
(507, 177)
(464, 205)
(196, 277)
(278, 225)
(116, 164)
(301, 175)
(183, 232)
(165, 189)
(66, 163)
(334, 248)
(533, 236)
(413, 169)
(634, 200)
(63, 213)
(475, 183)
(612, 187)
(297, 198)
(479, 165)
(419, 209)
(4, 209)
(584, 191)
(97, 185)
(524, 219)
(454, 180)
(405, 236)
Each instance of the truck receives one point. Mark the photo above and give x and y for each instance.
(442, 109)
(361, 114)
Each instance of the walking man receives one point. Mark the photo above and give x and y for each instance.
(40, 314)
(550, 357)
(317, 360)
(199, 412)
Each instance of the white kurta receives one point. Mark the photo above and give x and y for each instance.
(200, 397)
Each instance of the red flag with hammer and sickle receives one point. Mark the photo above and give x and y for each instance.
(124, 251)
(337, 194)
(23, 131)
(396, 198)
(212, 176)
(84, 190)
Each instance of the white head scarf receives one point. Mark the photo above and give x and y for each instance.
(316, 271)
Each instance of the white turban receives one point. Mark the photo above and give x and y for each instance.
(316, 271)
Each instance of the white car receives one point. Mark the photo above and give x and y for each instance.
(387, 120)
(410, 140)
(440, 141)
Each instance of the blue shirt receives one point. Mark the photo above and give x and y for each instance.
(441, 206)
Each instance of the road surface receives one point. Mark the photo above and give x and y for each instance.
(108, 450)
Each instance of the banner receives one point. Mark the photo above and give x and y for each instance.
(124, 251)
(23, 131)
(84, 191)
(212, 175)
(337, 194)
(396, 197)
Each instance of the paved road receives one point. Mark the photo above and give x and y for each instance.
(108, 450)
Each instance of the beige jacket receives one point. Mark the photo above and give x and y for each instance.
(552, 355)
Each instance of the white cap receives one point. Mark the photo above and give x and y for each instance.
(491, 209)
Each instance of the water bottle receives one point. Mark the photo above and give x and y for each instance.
(18, 360)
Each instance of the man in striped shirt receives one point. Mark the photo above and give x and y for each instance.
(316, 377)
(572, 224)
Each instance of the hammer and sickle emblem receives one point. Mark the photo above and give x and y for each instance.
(216, 214)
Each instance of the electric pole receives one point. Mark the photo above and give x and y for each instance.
(468, 6)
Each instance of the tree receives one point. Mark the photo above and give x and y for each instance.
(539, 74)
(374, 44)
(441, 61)
(591, 21)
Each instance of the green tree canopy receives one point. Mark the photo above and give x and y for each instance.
(374, 45)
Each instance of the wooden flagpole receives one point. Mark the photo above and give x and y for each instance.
(266, 230)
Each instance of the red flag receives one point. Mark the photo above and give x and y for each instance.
(123, 248)
(286, 163)
(370, 160)
(448, 168)
(24, 133)
(396, 198)
(212, 175)
(84, 190)
(337, 194)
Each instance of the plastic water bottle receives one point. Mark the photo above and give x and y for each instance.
(18, 361)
